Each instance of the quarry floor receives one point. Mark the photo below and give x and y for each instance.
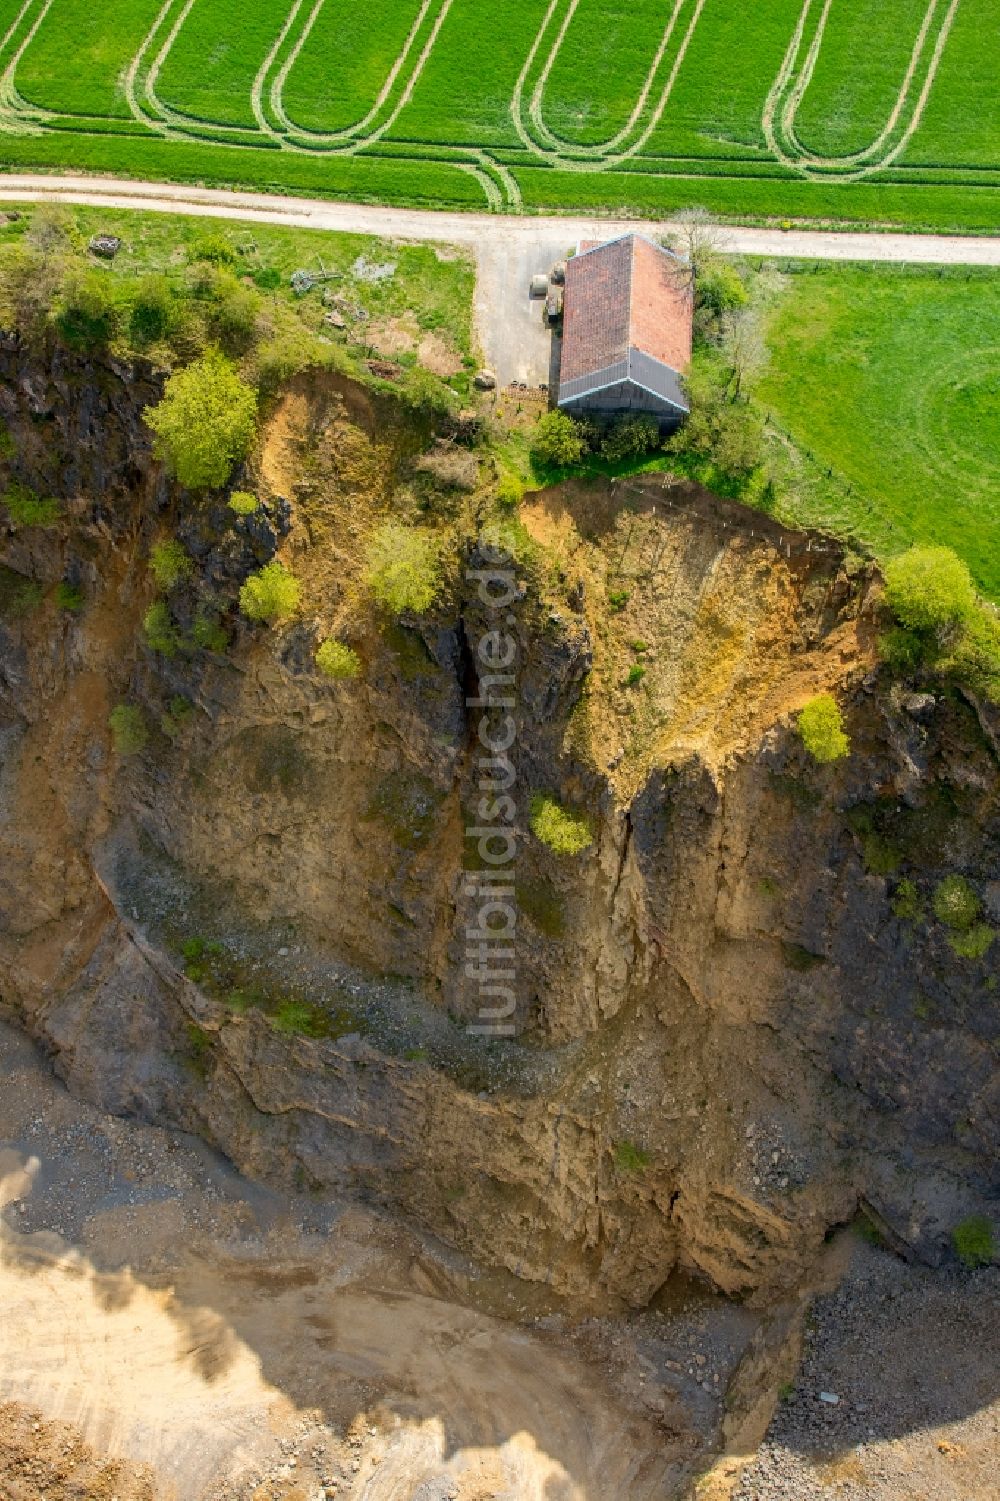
(173, 1332)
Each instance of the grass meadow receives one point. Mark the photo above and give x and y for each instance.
(210, 70)
(890, 378)
(345, 61)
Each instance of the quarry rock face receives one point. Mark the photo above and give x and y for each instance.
(724, 1037)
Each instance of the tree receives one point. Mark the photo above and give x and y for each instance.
(87, 314)
(558, 440)
(154, 313)
(695, 239)
(128, 729)
(404, 568)
(743, 346)
(929, 589)
(205, 423)
(821, 726)
(630, 437)
(271, 594)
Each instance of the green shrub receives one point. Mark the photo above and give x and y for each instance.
(425, 393)
(335, 660)
(300, 1018)
(214, 248)
(719, 287)
(8, 448)
(154, 316)
(208, 633)
(69, 596)
(18, 595)
(169, 563)
(510, 490)
(205, 422)
(975, 657)
(821, 727)
(881, 857)
(974, 1241)
(975, 943)
(128, 729)
(28, 509)
(906, 903)
(243, 503)
(271, 594)
(956, 904)
(636, 673)
(617, 599)
(902, 651)
(558, 440)
(928, 588)
(86, 313)
(233, 313)
(563, 832)
(178, 713)
(160, 631)
(639, 646)
(630, 438)
(629, 1158)
(404, 568)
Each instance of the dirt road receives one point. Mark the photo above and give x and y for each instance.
(482, 230)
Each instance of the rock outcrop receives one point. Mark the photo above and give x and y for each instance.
(725, 1035)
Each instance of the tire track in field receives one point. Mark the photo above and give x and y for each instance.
(543, 143)
(364, 131)
(149, 110)
(16, 114)
(792, 82)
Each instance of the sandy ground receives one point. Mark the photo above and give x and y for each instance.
(507, 249)
(173, 1332)
(249, 1347)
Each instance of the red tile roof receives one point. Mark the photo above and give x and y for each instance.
(624, 294)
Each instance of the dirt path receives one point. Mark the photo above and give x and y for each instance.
(482, 230)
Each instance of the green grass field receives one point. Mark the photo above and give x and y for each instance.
(891, 379)
(877, 111)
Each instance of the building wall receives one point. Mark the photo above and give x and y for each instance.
(621, 399)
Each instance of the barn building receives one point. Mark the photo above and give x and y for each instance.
(626, 332)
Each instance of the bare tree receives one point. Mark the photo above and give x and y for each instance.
(695, 239)
(743, 346)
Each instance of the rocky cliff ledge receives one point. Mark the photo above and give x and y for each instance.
(730, 1031)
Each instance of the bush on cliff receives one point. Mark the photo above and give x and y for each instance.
(128, 729)
(86, 313)
(929, 588)
(974, 1241)
(335, 660)
(821, 726)
(404, 568)
(169, 563)
(564, 832)
(271, 594)
(205, 423)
